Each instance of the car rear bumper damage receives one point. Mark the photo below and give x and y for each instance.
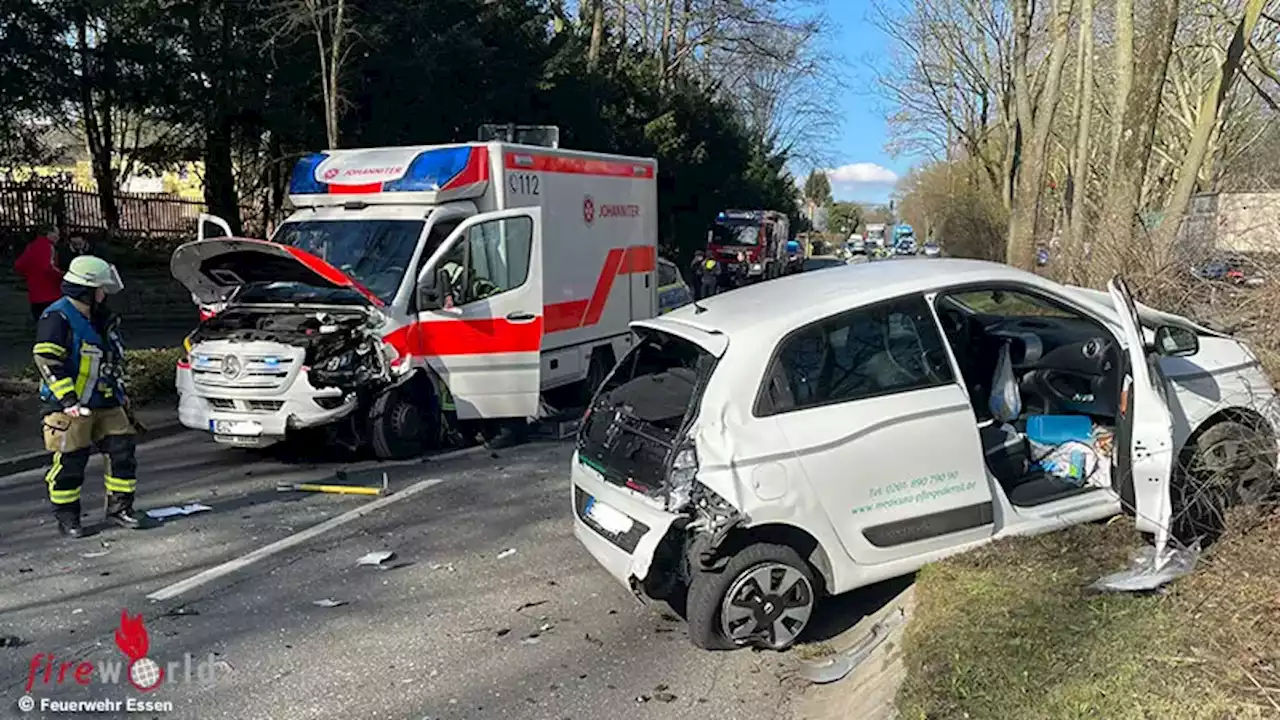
(620, 530)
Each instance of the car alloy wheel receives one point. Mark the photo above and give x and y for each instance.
(769, 604)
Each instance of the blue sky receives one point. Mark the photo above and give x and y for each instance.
(861, 169)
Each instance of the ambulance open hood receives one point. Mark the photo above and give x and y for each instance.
(213, 267)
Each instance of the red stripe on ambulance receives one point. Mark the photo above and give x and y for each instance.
(498, 335)
(577, 166)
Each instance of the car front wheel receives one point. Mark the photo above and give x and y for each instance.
(764, 598)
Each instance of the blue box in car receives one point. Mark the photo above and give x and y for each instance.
(1053, 430)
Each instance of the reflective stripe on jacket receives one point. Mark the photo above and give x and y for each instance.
(92, 366)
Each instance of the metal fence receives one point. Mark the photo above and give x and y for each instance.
(26, 206)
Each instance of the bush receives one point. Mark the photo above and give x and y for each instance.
(151, 373)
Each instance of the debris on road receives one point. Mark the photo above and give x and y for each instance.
(1148, 572)
(11, 641)
(831, 668)
(377, 558)
(175, 510)
(77, 611)
(531, 640)
(97, 554)
(502, 632)
(506, 553)
(593, 640)
(182, 611)
(442, 566)
(328, 603)
(335, 489)
(532, 604)
(665, 697)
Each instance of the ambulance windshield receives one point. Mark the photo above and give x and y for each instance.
(374, 253)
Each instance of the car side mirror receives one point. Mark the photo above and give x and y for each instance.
(432, 290)
(1174, 341)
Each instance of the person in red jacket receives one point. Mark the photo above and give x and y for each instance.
(38, 265)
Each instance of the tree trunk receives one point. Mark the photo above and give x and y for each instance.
(96, 113)
(1207, 120)
(1083, 151)
(1121, 245)
(1030, 172)
(1123, 71)
(597, 34)
(219, 170)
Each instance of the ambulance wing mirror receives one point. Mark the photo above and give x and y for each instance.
(432, 289)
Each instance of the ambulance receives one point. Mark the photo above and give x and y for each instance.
(411, 283)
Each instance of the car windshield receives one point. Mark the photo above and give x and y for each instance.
(745, 235)
(374, 253)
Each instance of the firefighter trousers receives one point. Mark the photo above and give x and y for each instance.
(72, 441)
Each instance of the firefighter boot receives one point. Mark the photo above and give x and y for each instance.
(120, 511)
(68, 517)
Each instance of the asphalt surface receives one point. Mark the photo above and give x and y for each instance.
(457, 628)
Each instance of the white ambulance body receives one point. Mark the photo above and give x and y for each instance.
(493, 270)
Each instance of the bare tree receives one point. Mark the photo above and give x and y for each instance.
(329, 22)
(1035, 120)
(1078, 183)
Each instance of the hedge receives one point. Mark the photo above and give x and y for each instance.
(151, 373)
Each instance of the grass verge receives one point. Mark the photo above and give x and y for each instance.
(1010, 631)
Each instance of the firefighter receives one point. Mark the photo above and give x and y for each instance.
(80, 356)
(707, 271)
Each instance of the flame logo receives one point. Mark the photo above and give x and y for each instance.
(131, 637)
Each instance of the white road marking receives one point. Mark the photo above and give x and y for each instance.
(298, 538)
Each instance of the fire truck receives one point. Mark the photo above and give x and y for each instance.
(749, 245)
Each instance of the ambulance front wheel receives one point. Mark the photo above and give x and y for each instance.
(402, 421)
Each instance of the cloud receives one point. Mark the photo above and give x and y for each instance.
(863, 173)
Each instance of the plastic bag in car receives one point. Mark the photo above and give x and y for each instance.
(1006, 401)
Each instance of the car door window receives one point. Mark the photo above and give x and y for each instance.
(887, 348)
(491, 259)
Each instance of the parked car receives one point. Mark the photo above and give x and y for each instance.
(673, 291)
(824, 262)
(857, 245)
(906, 246)
(932, 250)
(747, 464)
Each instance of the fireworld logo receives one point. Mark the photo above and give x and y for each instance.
(139, 670)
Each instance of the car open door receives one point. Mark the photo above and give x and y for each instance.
(1142, 464)
(206, 218)
(479, 323)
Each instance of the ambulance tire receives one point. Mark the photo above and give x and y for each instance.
(403, 421)
(602, 361)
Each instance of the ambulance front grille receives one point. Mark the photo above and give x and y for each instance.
(263, 372)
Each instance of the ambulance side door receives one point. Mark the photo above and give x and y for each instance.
(480, 313)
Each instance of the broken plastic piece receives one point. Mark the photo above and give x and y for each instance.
(376, 558)
(329, 603)
(506, 553)
(832, 668)
(98, 554)
(1149, 571)
(174, 510)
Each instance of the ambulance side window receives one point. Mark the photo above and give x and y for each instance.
(438, 233)
(492, 259)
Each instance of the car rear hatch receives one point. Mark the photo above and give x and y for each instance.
(633, 425)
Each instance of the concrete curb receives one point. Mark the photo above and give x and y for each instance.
(869, 691)
(29, 461)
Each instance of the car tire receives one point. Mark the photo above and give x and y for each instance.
(710, 593)
(602, 362)
(402, 422)
(1228, 465)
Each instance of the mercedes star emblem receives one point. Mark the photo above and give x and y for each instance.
(231, 367)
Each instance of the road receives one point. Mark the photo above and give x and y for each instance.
(459, 629)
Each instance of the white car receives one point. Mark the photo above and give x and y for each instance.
(820, 433)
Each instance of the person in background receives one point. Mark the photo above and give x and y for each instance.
(38, 266)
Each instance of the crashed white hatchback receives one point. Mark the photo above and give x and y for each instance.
(818, 433)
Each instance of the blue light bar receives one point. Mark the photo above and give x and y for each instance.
(431, 170)
(303, 181)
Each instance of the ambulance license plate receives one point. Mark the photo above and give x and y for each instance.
(242, 428)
